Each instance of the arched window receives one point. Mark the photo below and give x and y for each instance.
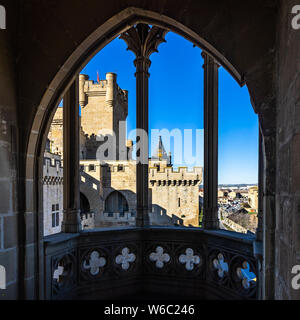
(116, 202)
(187, 189)
(84, 204)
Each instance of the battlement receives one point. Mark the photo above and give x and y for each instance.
(92, 88)
(52, 160)
(52, 169)
(108, 88)
(170, 170)
(169, 176)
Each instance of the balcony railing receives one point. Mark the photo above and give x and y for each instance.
(173, 262)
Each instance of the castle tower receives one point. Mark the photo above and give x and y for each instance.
(55, 134)
(104, 109)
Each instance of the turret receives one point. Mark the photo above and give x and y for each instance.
(82, 96)
(111, 79)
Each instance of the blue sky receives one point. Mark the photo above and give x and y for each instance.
(176, 101)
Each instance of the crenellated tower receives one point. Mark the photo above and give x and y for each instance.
(104, 109)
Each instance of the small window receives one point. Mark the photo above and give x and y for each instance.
(178, 202)
(53, 207)
(120, 167)
(57, 206)
(110, 214)
(53, 220)
(122, 215)
(92, 167)
(57, 219)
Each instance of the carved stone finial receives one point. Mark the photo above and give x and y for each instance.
(143, 40)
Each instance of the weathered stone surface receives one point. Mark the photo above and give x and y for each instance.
(8, 259)
(287, 239)
(30, 262)
(10, 225)
(7, 196)
(295, 163)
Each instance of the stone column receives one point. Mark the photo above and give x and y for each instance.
(269, 216)
(71, 219)
(210, 217)
(258, 243)
(143, 41)
(142, 65)
(259, 230)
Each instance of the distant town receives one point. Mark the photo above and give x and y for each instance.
(238, 206)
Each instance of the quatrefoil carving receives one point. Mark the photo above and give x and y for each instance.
(246, 275)
(95, 263)
(189, 259)
(159, 257)
(220, 265)
(58, 273)
(125, 258)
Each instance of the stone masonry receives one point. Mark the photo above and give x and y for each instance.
(173, 194)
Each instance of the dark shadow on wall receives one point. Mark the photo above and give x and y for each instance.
(114, 212)
(84, 204)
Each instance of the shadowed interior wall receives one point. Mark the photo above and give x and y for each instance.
(287, 238)
(8, 154)
(41, 36)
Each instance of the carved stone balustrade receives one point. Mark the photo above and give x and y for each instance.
(116, 263)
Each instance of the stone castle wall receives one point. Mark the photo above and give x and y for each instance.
(284, 248)
(103, 106)
(55, 134)
(52, 192)
(173, 195)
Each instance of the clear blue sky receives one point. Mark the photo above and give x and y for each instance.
(176, 101)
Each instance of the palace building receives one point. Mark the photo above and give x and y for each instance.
(108, 186)
(43, 48)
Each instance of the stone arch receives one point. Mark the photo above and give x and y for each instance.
(129, 195)
(93, 196)
(84, 204)
(108, 31)
(93, 44)
(116, 202)
(82, 55)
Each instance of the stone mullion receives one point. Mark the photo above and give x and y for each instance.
(71, 218)
(258, 252)
(259, 230)
(143, 41)
(142, 65)
(269, 216)
(210, 217)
